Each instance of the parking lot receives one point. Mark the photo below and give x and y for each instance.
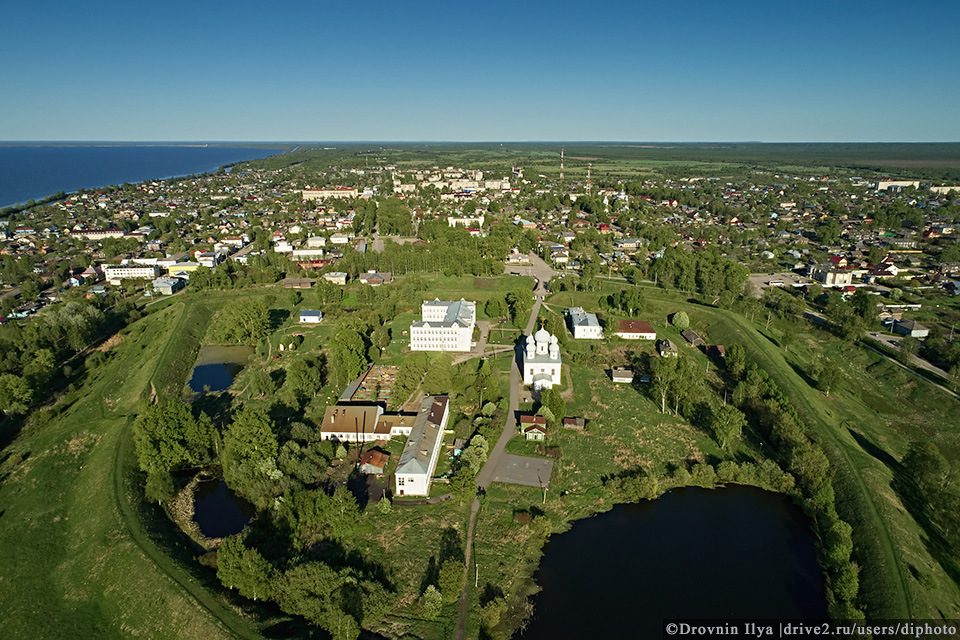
(761, 281)
(529, 472)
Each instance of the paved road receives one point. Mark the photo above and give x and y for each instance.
(917, 361)
(893, 342)
(489, 470)
(537, 268)
(486, 474)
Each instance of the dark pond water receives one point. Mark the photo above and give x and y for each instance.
(218, 511)
(738, 552)
(217, 367)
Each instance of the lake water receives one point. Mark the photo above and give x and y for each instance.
(729, 553)
(218, 511)
(33, 172)
(217, 367)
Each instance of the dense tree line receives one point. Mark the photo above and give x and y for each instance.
(264, 269)
(771, 414)
(282, 471)
(930, 486)
(33, 353)
(704, 271)
(243, 321)
(451, 251)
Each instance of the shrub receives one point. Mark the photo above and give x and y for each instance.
(680, 320)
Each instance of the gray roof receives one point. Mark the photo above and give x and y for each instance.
(581, 318)
(427, 432)
(460, 313)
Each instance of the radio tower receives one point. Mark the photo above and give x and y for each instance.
(589, 164)
(561, 164)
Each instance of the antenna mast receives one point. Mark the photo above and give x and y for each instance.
(589, 164)
(561, 164)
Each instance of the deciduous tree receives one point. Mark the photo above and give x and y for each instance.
(728, 423)
(244, 569)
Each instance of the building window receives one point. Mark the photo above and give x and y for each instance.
(400, 481)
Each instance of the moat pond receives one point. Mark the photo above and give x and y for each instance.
(218, 511)
(731, 553)
(217, 367)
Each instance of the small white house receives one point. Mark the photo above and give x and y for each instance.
(911, 328)
(535, 432)
(310, 317)
(636, 330)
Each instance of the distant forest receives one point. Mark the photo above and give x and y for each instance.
(934, 162)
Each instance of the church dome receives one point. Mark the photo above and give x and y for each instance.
(542, 336)
(553, 340)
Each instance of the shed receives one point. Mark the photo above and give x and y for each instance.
(666, 349)
(310, 317)
(374, 461)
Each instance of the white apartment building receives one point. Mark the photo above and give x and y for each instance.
(307, 254)
(466, 221)
(322, 194)
(114, 273)
(446, 326)
(829, 276)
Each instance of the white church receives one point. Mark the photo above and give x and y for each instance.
(541, 361)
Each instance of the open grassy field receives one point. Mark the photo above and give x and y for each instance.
(77, 559)
(83, 556)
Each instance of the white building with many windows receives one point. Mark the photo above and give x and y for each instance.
(114, 273)
(541, 361)
(585, 326)
(446, 326)
(419, 458)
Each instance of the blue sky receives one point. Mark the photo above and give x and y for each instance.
(681, 71)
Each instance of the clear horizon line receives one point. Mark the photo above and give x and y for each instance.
(354, 142)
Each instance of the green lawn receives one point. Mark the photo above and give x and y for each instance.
(863, 427)
(83, 557)
(77, 558)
